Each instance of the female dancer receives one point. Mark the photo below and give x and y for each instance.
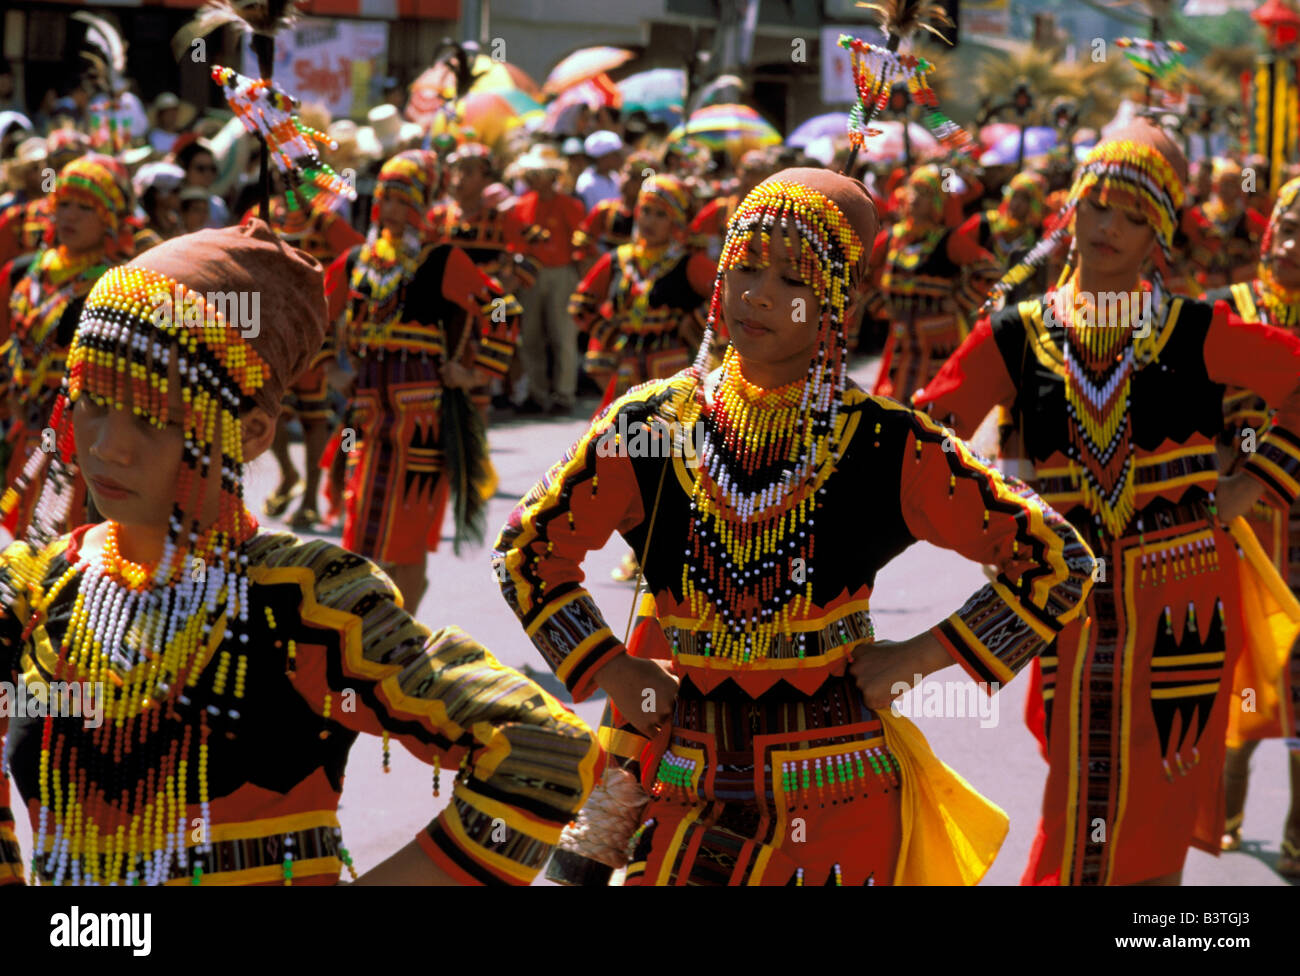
(42, 303)
(640, 300)
(231, 669)
(930, 277)
(767, 722)
(1115, 389)
(403, 296)
(1272, 297)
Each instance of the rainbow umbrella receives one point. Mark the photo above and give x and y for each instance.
(583, 64)
(437, 85)
(735, 129)
(489, 114)
(722, 90)
(594, 93)
(660, 93)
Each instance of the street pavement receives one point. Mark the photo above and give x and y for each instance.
(995, 753)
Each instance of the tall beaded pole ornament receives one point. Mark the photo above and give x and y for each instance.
(877, 69)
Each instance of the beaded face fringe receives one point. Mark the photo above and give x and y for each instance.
(745, 523)
(148, 633)
(1127, 173)
(1282, 305)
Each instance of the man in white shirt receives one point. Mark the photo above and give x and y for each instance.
(599, 180)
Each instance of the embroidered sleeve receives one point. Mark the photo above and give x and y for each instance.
(494, 315)
(1044, 569)
(586, 301)
(526, 763)
(1266, 360)
(581, 501)
(980, 269)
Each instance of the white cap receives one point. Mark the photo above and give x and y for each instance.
(601, 143)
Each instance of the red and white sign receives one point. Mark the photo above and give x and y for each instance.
(330, 62)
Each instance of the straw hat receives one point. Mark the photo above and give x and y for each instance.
(540, 158)
(185, 112)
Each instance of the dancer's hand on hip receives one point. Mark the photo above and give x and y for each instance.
(883, 670)
(642, 690)
(1236, 495)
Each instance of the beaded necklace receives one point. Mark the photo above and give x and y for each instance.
(765, 454)
(639, 268)
(1280, 305)
(147, 635)
(55, 280)
(386, 265)
(383, 268)
(1099, 361)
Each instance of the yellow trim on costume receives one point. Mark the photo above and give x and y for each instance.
(1050, 356)
(1244, 296)
(760, 866)
(1126, 702)
(510, 814)
(497, 751)
(1182, 479)
(670, 855)
(1185, 659)
(471, 849)
(579, 653)
(1288, 482)
(1066, 874)
(800, 626)
(248, 829)
(1185, 691)
(265, 873)
(973, 644)
(618, 742)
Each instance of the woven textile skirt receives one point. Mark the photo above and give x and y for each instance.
(787, 789)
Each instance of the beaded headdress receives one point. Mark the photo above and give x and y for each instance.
(1138, 168)
(1282, 304)
(764, 455)
(1033, 188)
(669, 191)
(100, 182)
(170, 307)
(1286, 198)
(412, 177)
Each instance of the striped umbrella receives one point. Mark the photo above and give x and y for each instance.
(437, 85)
(722, 90)
(594, 93)
(581, 65)
(735, 129)
(660, 93)
(490, 114)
